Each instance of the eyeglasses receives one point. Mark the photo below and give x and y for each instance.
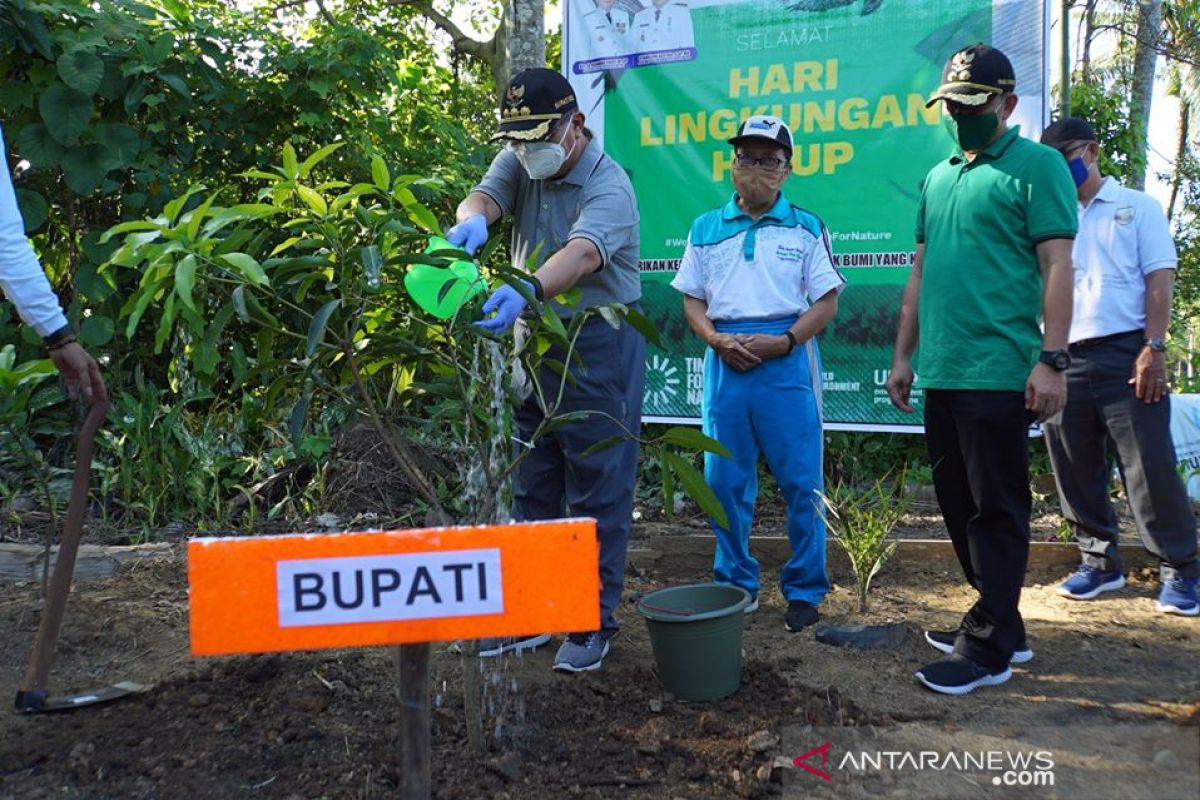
(770, 163)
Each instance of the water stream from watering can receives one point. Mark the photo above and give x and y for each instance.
(502, 701)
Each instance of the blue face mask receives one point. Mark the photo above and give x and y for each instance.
(1079, 170)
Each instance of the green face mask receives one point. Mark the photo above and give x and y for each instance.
(972, 131)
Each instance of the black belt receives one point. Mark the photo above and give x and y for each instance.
(1112, 337)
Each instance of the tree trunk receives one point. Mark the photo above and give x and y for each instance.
(1145, 58)
(525, 46)
(1085, 41)
(1181, 152)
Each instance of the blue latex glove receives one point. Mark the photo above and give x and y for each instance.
(507, 302)
(470, 234)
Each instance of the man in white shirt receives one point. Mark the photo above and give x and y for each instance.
(1117, 384)
(25, 285)
(608, 29)
(759, 284)
(664, 25)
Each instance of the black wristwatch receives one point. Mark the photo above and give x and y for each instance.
(1055, 359)
(1156, 344)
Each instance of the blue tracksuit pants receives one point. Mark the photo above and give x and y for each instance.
(773, 410)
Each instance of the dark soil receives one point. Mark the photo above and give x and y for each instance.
(323, 724)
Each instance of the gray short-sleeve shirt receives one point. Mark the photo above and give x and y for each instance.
(594, 201)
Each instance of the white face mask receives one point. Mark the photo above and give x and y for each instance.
(541, 159)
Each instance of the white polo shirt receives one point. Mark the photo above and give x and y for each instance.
(775, 266)
(1123, 237)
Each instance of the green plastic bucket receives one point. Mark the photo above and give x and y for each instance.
(696, 634)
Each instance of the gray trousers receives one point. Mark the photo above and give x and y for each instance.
(556, 479)
(1102, 414)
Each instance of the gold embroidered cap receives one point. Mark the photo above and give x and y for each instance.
(533, 101)
(974, 74)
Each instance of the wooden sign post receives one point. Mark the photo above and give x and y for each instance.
(311, 591)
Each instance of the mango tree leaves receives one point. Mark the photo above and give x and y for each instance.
(81, 70)
(66, 112)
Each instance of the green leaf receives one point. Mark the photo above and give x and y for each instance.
(165, 322)
(422, 217)
(139, 308)
(239, 304)
(316, 329)
(642, 324)
(185, 280)
(312, 199)
(291, 168)
(372, 262)
(96, 330)
(603, 444)
(34, 209)
(81, 70)
(125, 227)
(171, 210)
(693, 483)
(693, 439)
(668, 486)
(177, 83)
(197, 216)
(122, 142)
(379, 173)
(35, 143)
(247, 266)
(84, 167)
(66, 112)
(318, 157)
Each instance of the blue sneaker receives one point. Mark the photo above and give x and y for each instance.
(1178, 596)
(581, 652)
(1089, 582)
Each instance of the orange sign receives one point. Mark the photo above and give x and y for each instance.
(308, 591)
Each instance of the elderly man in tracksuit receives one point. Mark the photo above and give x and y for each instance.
(759, 283)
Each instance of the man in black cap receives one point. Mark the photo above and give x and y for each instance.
(1124, 277)
(574, 211)
(994, 229)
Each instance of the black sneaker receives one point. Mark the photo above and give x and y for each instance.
(956, 674)
(800, 615)
(944, 641)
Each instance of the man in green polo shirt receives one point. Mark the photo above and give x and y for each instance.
(995, 226)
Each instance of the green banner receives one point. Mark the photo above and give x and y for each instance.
(665, 86)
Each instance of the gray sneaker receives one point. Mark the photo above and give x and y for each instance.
(581, 652)
(489, 648)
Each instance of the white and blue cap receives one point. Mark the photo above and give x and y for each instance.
(766, 127)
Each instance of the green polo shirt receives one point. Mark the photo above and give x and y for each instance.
(981, 288)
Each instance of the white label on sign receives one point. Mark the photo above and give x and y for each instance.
(337, 591)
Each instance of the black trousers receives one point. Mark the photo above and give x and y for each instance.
(1102, 407)
(979, 449)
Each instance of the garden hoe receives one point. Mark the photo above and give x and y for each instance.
(33, 696)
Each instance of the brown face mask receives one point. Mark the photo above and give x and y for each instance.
(758, 187)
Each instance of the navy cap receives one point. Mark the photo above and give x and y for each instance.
(974, 75)
(533, 101)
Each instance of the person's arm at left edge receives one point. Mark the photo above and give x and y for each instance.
(1046, 387)
(24, 283)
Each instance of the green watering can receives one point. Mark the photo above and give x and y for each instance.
(441, 291)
